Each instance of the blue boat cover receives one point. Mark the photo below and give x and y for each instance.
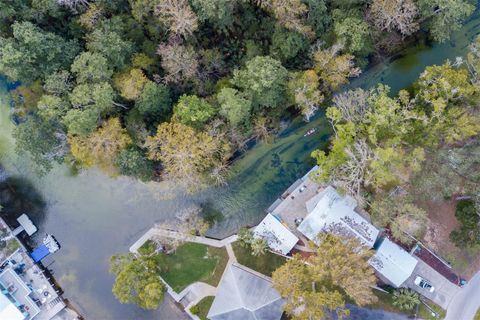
(39, 253)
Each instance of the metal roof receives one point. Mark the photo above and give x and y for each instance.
(393, 262)
(278, 236)
(330, 212)
(244, 295)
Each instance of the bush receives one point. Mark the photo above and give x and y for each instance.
(469, 232)
(405, 299)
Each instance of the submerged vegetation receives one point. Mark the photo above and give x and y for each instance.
(171, 89)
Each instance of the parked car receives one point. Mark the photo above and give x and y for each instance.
(425, 284)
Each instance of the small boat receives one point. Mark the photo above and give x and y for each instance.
(310, 132)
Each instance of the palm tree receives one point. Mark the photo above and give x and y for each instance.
(405, 299)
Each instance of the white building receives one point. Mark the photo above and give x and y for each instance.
(393, 263)
(278, 236)
(330, 212)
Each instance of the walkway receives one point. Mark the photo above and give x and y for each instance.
(155, 231)
(466, 302)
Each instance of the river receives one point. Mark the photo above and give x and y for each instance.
(94, 216)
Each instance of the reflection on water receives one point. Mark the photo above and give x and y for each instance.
(94, 216)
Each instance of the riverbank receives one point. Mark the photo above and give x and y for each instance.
(95, 216)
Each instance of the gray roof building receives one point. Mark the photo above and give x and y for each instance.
(245, 295)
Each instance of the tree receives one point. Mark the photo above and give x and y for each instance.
(190, 222)
(405, 299)
(234, 106)
(259, 246)
(111, 45)
(58, 83)
(52, 107)
(313, 287)
(81, 122)
(91, 17)
(154, 101)
(444, 16)
(217, 12)
(352, 33)
(137, 280)
(33, 53)
(403, 217)
(263, 79)
(101, 147)
(98, 96)
(179, 61)
(318, 16)
(43, 141)
(177, 16)
(193, 111)
(187, 156)
(303, 91)
(334, 68)
(91, 67)
(131, 83)
(469, 232)
(290, 13)
(392, 15)
(286, 44)
(245, 236)
(132, 161)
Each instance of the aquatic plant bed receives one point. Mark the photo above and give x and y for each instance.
(202, 307)
(264, 264)
(193, 262)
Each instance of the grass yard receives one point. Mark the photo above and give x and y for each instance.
(477, 315)
(193, 262)
(264, 264)
(202, 307)
(385, 302)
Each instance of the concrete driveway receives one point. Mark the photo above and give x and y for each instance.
(466, 302)
(444, 289)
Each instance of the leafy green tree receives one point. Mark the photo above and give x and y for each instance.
(444, 16)
(154, 101)
(137, 280)
(318, 16)
(111, 45)
(217, 12)
(352, 32)
(234, 106)
(91, 67)
(99, 96)
(263, 79)
(52, 107)
(81, 122)
(286, 44)
(193, 111)
(469, 232)
(405, 299)
(58, 83)
(43, 141)
(33, 53)
(132, 161)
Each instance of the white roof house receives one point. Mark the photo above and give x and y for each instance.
(278, 236)
(330, 212)
(244, 295)
(8, 310)
(393, 263)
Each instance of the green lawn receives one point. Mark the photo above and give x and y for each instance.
(193, 262)
(202, 307)
(264, 264)
(385, 302)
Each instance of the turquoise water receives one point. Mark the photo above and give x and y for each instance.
(94, 216)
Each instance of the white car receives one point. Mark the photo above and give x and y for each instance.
(425, 284)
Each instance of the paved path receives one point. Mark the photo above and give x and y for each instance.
(176, 235)
(466, 302)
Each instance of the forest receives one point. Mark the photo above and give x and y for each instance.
(171, 89)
